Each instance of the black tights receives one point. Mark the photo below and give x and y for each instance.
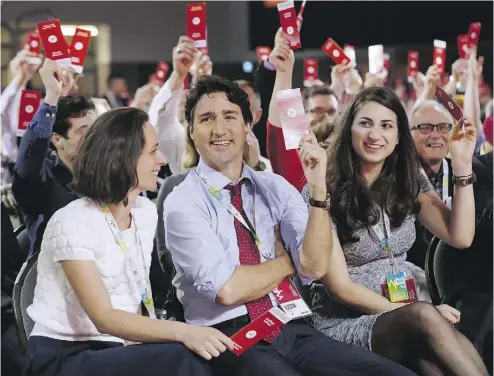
(420, 338)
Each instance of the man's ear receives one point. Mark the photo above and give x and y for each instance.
(257, 117)
(191, 132)
(56, 140)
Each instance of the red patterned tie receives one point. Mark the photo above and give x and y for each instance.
(249, 255)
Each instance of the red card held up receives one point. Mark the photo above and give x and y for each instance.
(448, 103)
(252, 333)
(335, 52)
(413, 64)
(161, 72)
(294, 123)
(79, 48)
(463, 48)
(263, 53)
(440, 55)
(474, 33)
(288, 22)
(196, 24)
(54, 43)
(34, 43)
(30, 101)
(310, 70)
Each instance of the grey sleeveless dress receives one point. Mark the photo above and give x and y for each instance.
(367, 265)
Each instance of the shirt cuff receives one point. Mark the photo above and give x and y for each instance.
(42, 123)
(268, 65)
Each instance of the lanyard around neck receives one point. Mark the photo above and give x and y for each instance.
(143, 283)
(382, 235)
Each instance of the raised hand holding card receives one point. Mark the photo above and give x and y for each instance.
(79, 48)
(310, 71)
(34, 43)
(335, 52)
(448, 103)
(439, 55)
(292, 115)
(463, 48)
(413, 64)
(54, 43)
(349, 51)
(474, 33)
(263, 53)
(161, 71)
(196, 24)
(30, 101)
(288, 21)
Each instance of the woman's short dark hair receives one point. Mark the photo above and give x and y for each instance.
(217, 84)
(353, 204)
(105, 167)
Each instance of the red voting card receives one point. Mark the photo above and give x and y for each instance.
(349, 51)
(413, 63)
(310, 70)
(196, 24)
(263, 53)
(288, 21)
(463, 48)
(54, 43)
(252, 333)
(448, 103)
(292, 115)
(440, 55)
(474, 33)
(161, 72)
(34, 43)
(335, 52)
(79, 48)
(30, 101)
(290, 300)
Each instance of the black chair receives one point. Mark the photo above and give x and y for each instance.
(23, 297)
(173, 308)
(22, 236)
(430, 271)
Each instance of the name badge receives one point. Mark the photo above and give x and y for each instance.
(290, 300)
(397, 287)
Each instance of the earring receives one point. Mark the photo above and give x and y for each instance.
(397, 142)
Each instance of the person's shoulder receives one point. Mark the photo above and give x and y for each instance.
(82, 217)
(184, 193)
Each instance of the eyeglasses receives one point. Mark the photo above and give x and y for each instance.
(318, 111)
(429, 128)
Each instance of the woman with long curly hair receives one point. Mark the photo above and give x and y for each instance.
(375, 191)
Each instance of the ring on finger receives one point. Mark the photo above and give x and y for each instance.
(178, 50)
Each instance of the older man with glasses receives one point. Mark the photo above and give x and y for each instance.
(430, 124)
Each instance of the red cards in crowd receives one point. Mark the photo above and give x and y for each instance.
(30, 101)
(474, 33)
(79, 48)
(310, 70)
(196, 24)
(263, 53)
(463, 48)
(34, 43)
(292, 115)
(349, 51)
(448, 103)
(413, 64)
(376, 59)
(439, 55)
(288, 22)
(54, 43)
(386, 61)
(335, 52)
(252, 333)
(161, 72)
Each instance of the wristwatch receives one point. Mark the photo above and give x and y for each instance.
(319, 204)
(463, 181)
